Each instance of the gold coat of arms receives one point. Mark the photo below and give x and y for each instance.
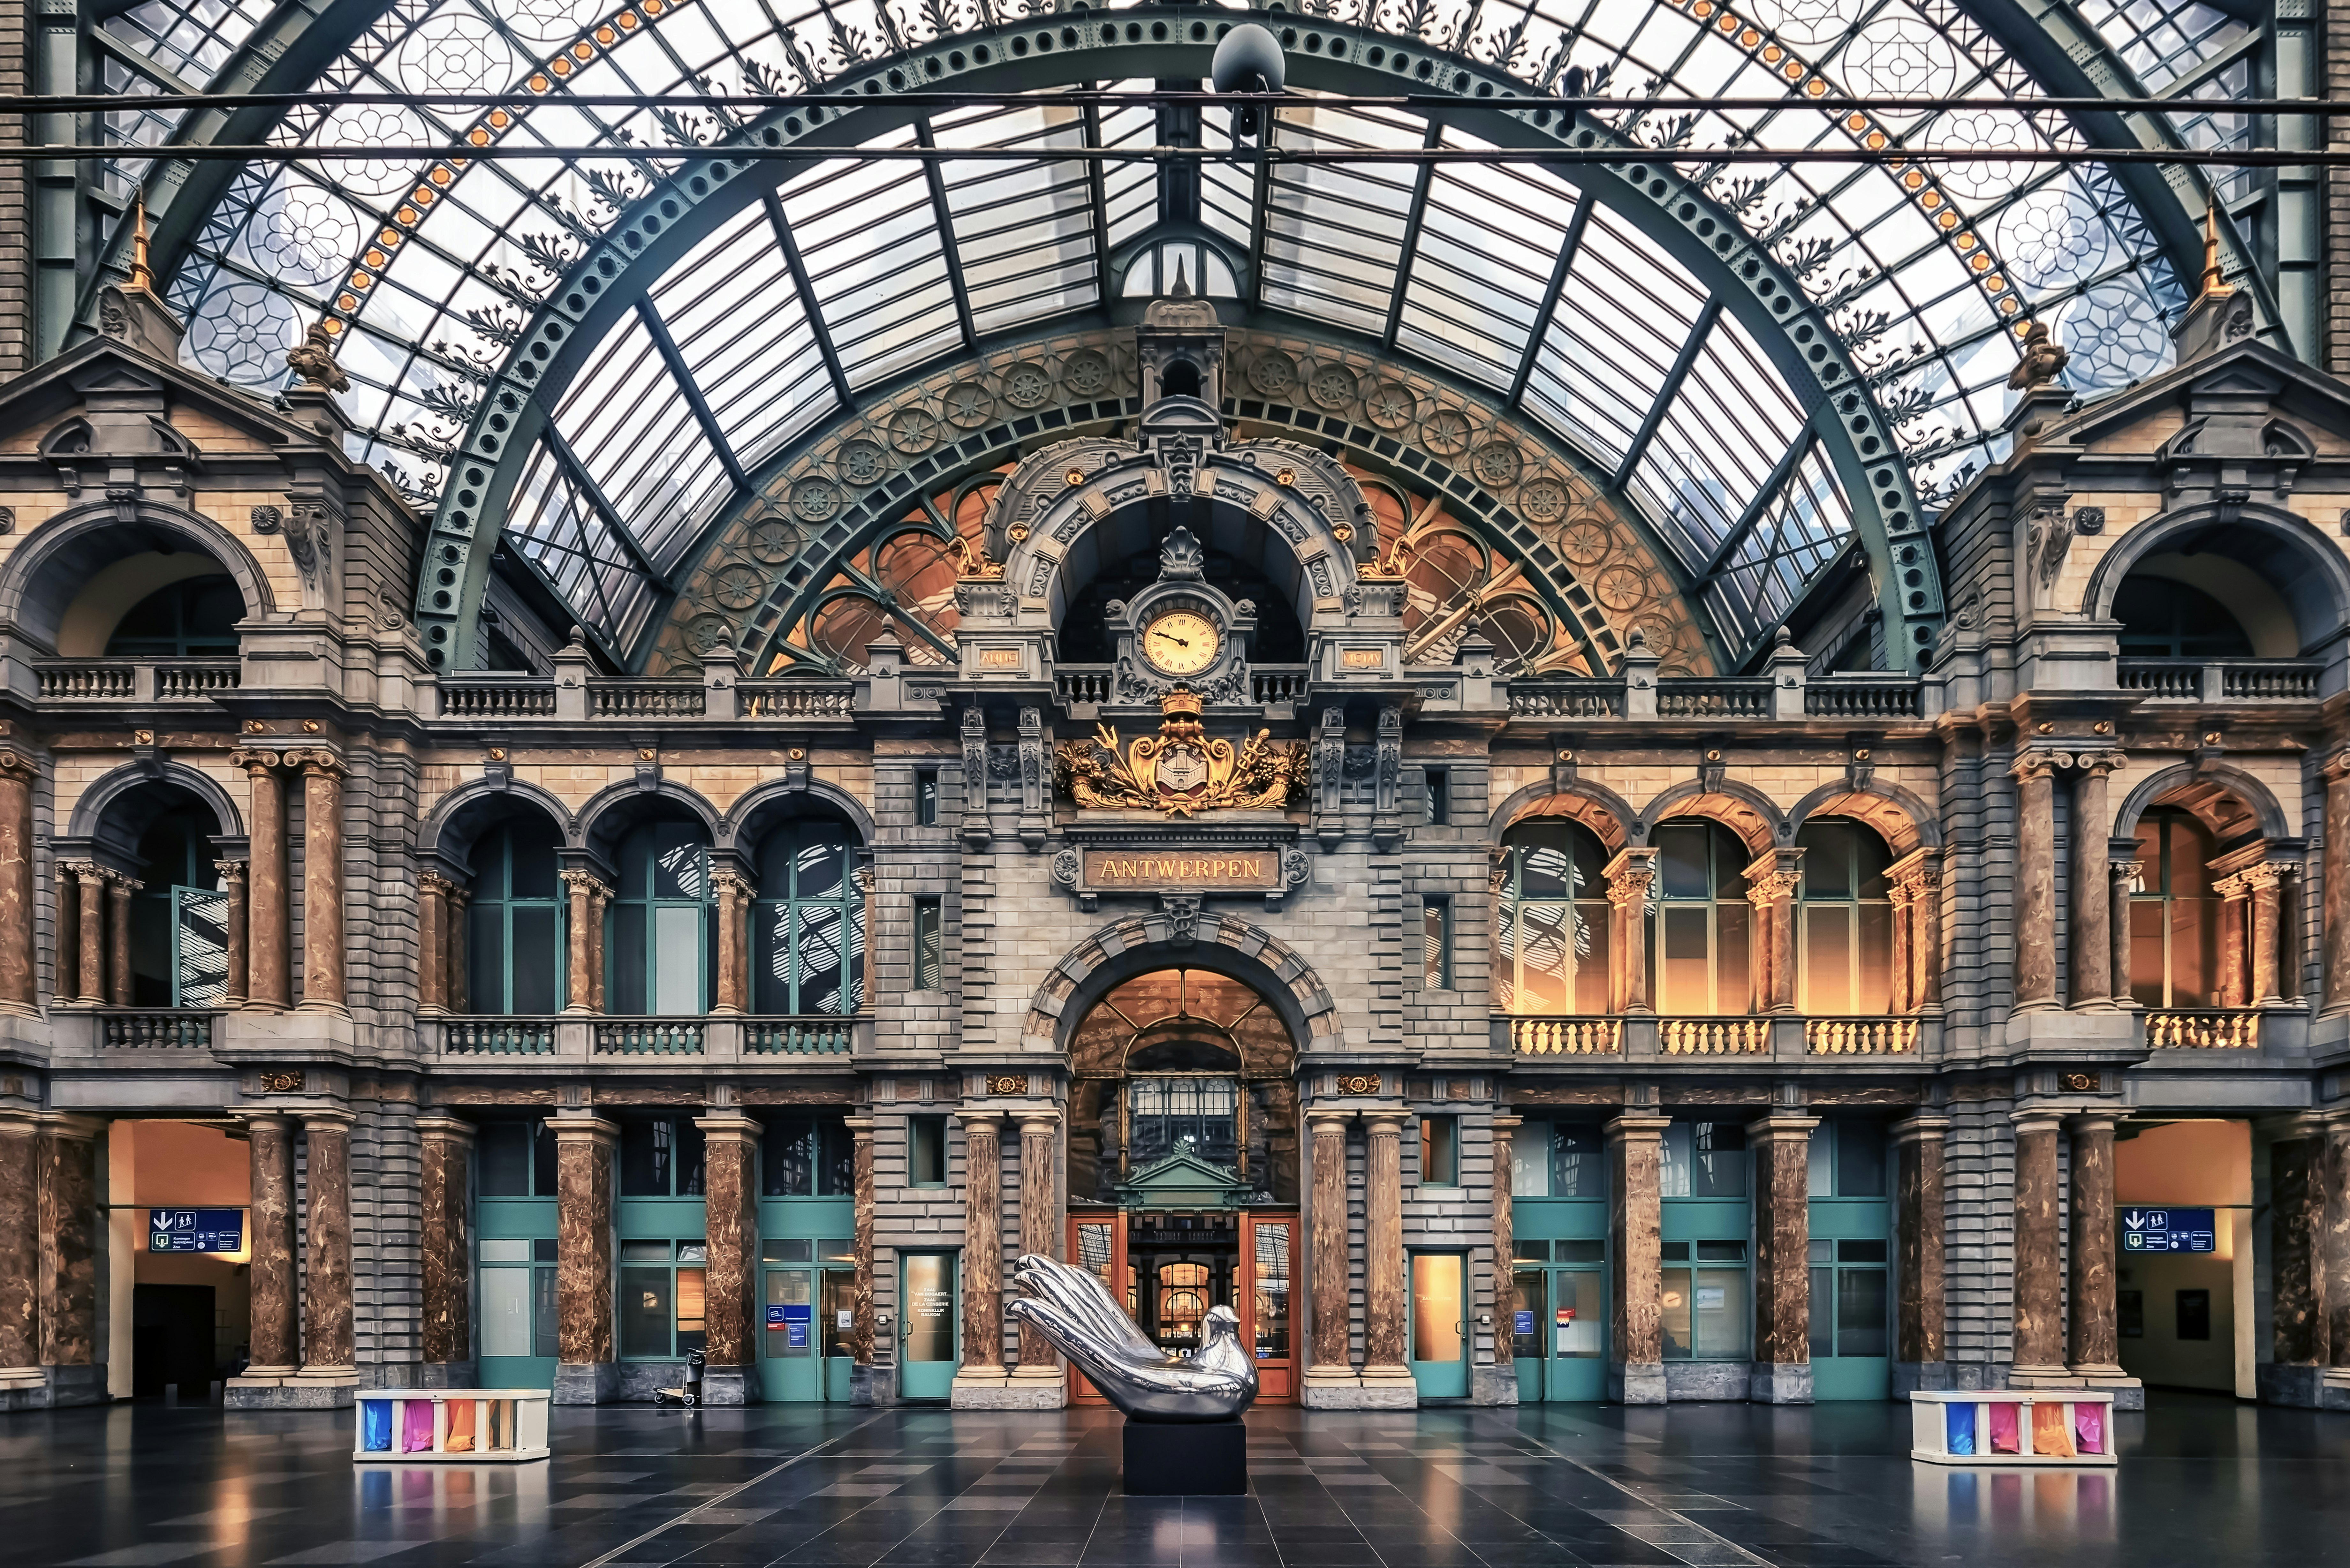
(1179, 771)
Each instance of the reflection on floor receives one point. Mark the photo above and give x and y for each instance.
(1560, 1486)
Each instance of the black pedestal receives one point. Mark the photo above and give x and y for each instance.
(1187, 1459)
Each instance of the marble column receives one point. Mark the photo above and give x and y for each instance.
(1505, 1245)
(461, 984)
(322, 882)
(20, 1255)
(730, 1185)
(1330, 1377)
(66, 934)
(1040, 1229)
(2337, 892)
(1629, 876)
(1926, 936)
(586, 1372)
(1782, 1371)
(275, 1342)
(2035, 883)
(231, 881)
(2263, 881)
(733, 892)
(2121, 876)
(2334, 1263)
(90, 967)
(2090, 887)
(71, 1236)
(1902, 895)
(2039, 1309)
(432, 944)
(329, 1351)
(579, 891)
(19, 991)
(983, 1255)
(119, 890)
(2093, 1346)
(2301, 1335)
(1636, 1340)
(445, 1252)
(1387, 1289)
(2234, 927)
(861, 1330)
(268, 946)
(600, 898)
(1920, 1356)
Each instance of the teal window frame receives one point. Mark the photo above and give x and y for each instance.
(493, 908)
(1706, 1231)
(169, 896)
(518, 1224)
(1850, 1189)
(926, 797)
(1440, 1151)
(809, 1156)
(1553, 910)
(1435, 942)
(181, 598)
(638, 1271)
(2177, 901)
(665, 852)
(808, 923)
(1845, 914)
(1563, 1161)
(1682, 902)
(1437, 785)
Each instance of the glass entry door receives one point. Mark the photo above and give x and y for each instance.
(1097, 1245)
(1440, 1324)
(928, 1345)
(1559, 1329)
(518, 1312)
(789, 1371)
(1267, 1304)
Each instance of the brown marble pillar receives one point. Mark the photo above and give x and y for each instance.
(1333, 1361)
(231, 881)
(461, 984)
(2092, 1345)
(1505, 1244)
(982, 1249)
(2263, 881)
(2336, 891)
(19, 994)
(322, 882)
(1902, 895)
(274, 1344)
(2121, 877)
(119, 890)
(2039, 1339)
(2334, 1264)
(1771, 884)
(64, 938)
(328, 1347)
(730, 1185)
(1782, 1373)
(2234, 910)
(1635, 1339)
(268, 950)
(1629, 876)
(1387, 1289)
(579, 891)
(600, 898)
(20, 1247)
(1040, 1224)
(1921, 1313)
(733, 944)
(90, 967)
(67, 1215)
(1926, 936)
(445, 1250)
(432, 945)
(2035, 883)
(860, 1336)
(586, 1372)
(2090, 886)
(2302, 1333)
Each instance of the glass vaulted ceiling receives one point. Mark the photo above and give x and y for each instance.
(428, 274)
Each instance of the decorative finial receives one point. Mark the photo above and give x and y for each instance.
(1637, 641)
(141, 274)
(313, 360)
(1182, 289)
(2215, 282)
(2043, 361)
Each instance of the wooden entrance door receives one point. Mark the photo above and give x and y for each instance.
(1267, 1302)
(1098, 1244)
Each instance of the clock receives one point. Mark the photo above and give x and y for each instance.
(1181, 642)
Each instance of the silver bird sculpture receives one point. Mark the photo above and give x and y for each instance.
(1075, 1311)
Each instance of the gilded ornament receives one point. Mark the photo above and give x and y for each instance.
(1179, 771)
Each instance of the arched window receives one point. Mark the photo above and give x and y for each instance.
(179, 919)
(808, 928)
(657, 943)
(2162, 619)
(1846, 951)
(1700, 946)
(2174, 916)
(193, 619)
(513, 961)
(1551, 940)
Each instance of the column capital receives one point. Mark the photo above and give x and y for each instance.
(2263, 877)
(2029, 765)
(1629, 873)
(861, 1128)
(1036, 1116)
(315, 1116)
(1383, 1120)
(1917, 872)
(80, 870)
(231, 870)
(434, 882)
(277, 1116)
(439, 1128)
(121, 882)
(729, 1126)
(972, 1121)
(18, 767)
(587, 883)
(584, 1130)
(731, 882)
(1334, 1118)
(69, 1124)
(1633, 1127)
(2336, 768)
(1925, 1126)
(2093, 1121)
(2127, 870)
(255, 763)
(1508, 1122)
(1782, 1125)
(2031, 1117)
(318, 762)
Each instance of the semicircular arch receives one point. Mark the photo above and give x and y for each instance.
(1740, 807)
(1895, 814)
(1607, 814)
(109, 790)
(2190, 785)
(1139, 944)
(2307, 570)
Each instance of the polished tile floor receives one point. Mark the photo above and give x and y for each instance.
(2202, 1482)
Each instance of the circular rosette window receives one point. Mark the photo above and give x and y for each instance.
(918, 571)
(1456, 584)
(845, 625)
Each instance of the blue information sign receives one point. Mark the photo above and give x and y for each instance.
(195, 1230)
(2167, 1231)
(1525, 1323)
(774, 1316)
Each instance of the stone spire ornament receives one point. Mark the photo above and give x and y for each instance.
(2221, 315)
(130, 312)
(313, 360)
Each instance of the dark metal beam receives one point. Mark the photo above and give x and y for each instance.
(1699, 331)
(1413, 218)
(1098, 193)
(577, 473)
(948, 248)
(658, 330)
(1568, 244)
(1760, 507)
(790, 246)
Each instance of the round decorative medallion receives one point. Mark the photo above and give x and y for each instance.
(860, 462)
(913, 431)
(773, 541)
(1497, 464)
(1026, 385)
(1542, 501)
(1446, 431)
(1086, 372)
(1390, 405)
(1620, 588)
(1333, 387)
(1273, 374)
(1586, 542)
(738, 586)
(705, 634)
(969, 405)
(813, 500)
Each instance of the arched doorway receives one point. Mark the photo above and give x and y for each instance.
(1184, 1157)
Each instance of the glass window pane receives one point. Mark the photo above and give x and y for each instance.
(690, 1307)
(1688, 979)
(1823, 1313)
(1678, 1347)
(1530, 1161)
(2194, 948)
(546, 1321)
(505, 1162)
(1272, 1290)
(645, 1302)
(929, 1307)
(1718, 1166)
(1590, 1251)
(544, 1175)
(1827, 859)
(787, 1156)
(1827, 958)
(1860, 1160)
(505, 1250)
(1674, 1167)
(485, 959)
(1732, 948)
(1578, 1326)
(1575, 1170)
(2146, 951)
(505, 1310)
(644, 1159)
(691, 1142)
(1820, 1175)
(1874, 993)
(1860, 1311)
(535, 963)
(1722, 1314)
(533, 863)
(1436, 1307)
(1683, 851)
(1530, 1314)
(627, 962)
(677, 960)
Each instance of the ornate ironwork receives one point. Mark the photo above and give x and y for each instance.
(1179, 771)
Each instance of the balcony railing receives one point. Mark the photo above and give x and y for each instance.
(1713, 1036)
(1082, 682)
(797, 700)
(155, 1029)
(649, 1037)
(498, 1037)
(1859, 1037)
(134, 679)
(509, 697)
(2220, 679)
(2204, 1029)
(1567, 699)
(1271, 683)
(798, 1036)
(1563, 1036)
(1863, 697)
(1740, 697)
(646, 699)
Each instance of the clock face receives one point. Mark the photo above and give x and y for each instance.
(1180, 642)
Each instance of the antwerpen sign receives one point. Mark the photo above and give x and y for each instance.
(1187, 861)
(1212, 870)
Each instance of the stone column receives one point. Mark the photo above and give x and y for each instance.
(2334, 1271)
(66, 935)
(2336, 873)
(861, 1332)
(579, 890)
(461, 985)
(446, 1253)
(2035, 883)
(1040, 1234)
(67, 1216)
(1920, 1358)
(2090, 885)
(734, 943)
(1926, 935)
(19, 993)
(329, 1352)
(1387, 1288)
(1505, 1246)
(1330, 1381)
(1629, 876)
(982, 1372)
(731, 1184)
(2234, 923)
(600, 898)
(2301, 1336)
(231, 881)
(1771, 884)
(586, 1372)
(2038, 1337)
(91, 966)
(1902, 894)
(322, 881)
(270, 984)
(431, 943)
(119, 888)
(2121, 876)
(1636, 1348)
(2093, 1345)
(20, 1257)
(1782, 1373)
(2263, 881)
(274, 1341)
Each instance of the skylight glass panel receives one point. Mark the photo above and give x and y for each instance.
(1724, 433)
(1023, 232)
(1129, 191)
(190, 39)
(554, 524)
(2163, 40)
(637, 440)
(1799, 532)
(740, 327)
(1625, 311)
(869, 238)
(1335, 234)
(1489, 241)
